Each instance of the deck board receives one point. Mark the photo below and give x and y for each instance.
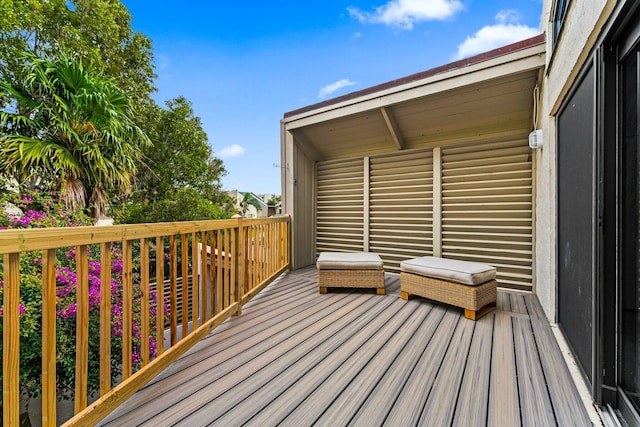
(504, 402)
(379, 403)
(350, 357)
(556, 374)
(471, 407)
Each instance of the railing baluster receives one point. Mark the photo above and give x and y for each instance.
(194, 281)
(236, 259)
(144, 305)
(222, 292)
(11, 340)
(48, 337)
(105, 318)
(82, 327)
(159, 295)
(228, 284)
(184, 259)
(243, 259)
(127, 296)
(173, 290)
(213, 285)
(203, 275)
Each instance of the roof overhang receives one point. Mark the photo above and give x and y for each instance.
(484, 96)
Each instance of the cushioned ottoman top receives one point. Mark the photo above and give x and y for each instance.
(349, 261)
(451, 270)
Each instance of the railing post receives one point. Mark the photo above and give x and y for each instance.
(239, 254)
(11, 340)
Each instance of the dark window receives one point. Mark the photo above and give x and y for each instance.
(559, 13)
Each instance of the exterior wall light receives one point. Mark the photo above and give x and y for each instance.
(535, 139)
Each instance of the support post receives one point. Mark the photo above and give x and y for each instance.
(238, 242)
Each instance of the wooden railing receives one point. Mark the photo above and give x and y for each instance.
(227, 263)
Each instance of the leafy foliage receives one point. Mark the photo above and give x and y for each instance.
(44, 210)
(249, 200)
(180, 177)
(99, 34)
(97, 31)
(72, 125)
(184, 204)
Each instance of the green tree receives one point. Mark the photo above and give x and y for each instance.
(97, 31)
(179, 166)
(274, 200)
(70, 125)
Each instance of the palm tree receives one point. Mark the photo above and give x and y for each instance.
(249, 200)
(72, 126)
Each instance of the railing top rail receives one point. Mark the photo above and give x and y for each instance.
(273, 220)
(34, 239)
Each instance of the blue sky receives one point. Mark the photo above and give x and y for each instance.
(244, 64)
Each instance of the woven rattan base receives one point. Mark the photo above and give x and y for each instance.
(472, 298)
(351, 279)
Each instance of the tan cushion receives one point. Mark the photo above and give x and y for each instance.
(452, 270)
(349, 261)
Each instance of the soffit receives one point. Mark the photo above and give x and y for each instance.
(488, 100)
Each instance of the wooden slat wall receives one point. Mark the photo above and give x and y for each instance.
(339, 206)
(487, 208)
(401, 206)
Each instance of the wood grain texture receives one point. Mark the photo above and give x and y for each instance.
(82, 328)
(531, 382)
(296, 357)
(11, 340)
(472, 402)
(105, 318)
(49, 338)
(265, 242)
(127, 308)
(504, 402)
(560, 384)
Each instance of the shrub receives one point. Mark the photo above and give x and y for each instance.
(44, 210)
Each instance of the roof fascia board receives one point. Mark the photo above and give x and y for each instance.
(512, 63)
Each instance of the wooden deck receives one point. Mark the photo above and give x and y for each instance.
(298, 358)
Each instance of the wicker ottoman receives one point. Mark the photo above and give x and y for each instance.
(468, 285)
(350, 270)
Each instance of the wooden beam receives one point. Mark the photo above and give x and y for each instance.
(392, 126)
(305, 145)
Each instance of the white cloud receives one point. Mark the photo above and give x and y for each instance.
(508, 15)
(405, 13)
(329, 89)
(231, 151)
(507, 30)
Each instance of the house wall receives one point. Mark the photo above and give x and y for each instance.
(583, 23)
(298, 196)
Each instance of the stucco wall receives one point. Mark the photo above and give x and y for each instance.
(583, 24)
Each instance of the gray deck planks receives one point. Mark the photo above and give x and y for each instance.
(556, 374)
(189, 380)
(299, 343)
(471, 408)
(322, 397)
(379, 403)
(440, 407)
(504, 402)
(344, 407)
(536, 407)
(414, 395)
(369, 359)
(276, 377)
